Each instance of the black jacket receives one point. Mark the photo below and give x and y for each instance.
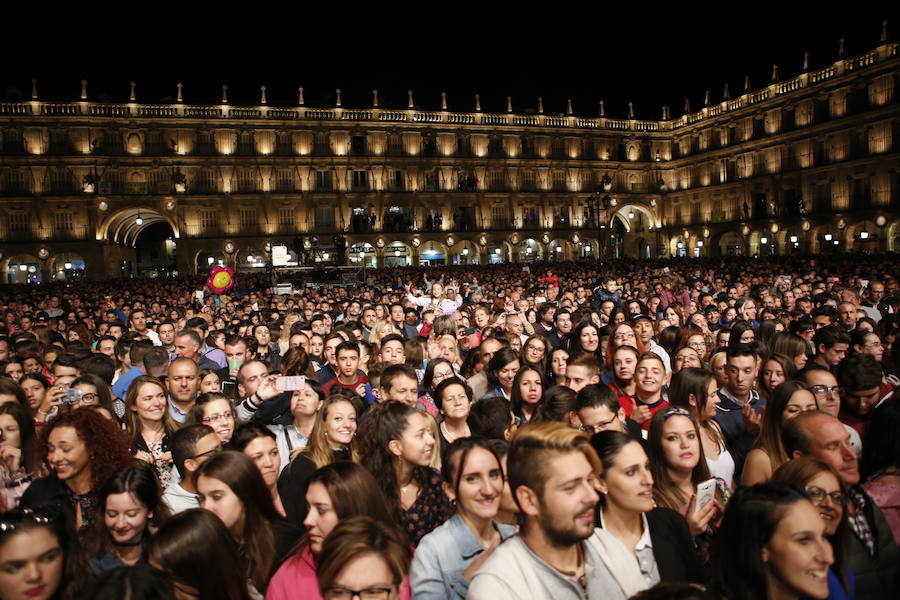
(673, 546)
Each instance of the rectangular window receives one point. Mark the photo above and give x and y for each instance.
(209, 219)
(248, 217)
(286, 216)
(398, 181)
(18, 222)
(500, 217)
(323, 181)
(324, 218)
(360, 181)
(63, 221)
(285, 182)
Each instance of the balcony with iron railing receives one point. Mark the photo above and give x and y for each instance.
(412, 115)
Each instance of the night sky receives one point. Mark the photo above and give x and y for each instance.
(648, 55)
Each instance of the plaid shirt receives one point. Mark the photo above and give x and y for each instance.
(858, 521)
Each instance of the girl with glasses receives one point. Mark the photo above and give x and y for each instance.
(824, 489)
(365, 559)
(217, 411)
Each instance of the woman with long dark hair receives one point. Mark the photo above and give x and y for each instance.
(771, 544)
(788, 400)
(231, 487)
(696, 391)
(446, 558)
(628, 512)
(527, 393)
(41, 556)
(132, 509)
(823, 487)
(337, 491)
(501, 372)
(195, 549)
(398, 448)
(19, 463)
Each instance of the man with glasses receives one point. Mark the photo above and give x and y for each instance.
(191, 447)
(871, 549)
(597, 409)
(824, 386)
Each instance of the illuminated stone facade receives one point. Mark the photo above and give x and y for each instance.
(805, 165)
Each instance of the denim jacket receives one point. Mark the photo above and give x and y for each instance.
(443, 556)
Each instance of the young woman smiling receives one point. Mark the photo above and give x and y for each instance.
(822, 485)
(772, 545)
(333, 439)
(82, 449)
(398, 451)
(448, 557)
(132, 508)
(217, 411)
(149, 424)
(501, 371)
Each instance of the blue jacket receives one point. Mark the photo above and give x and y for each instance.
(443, 556)
(737, 438)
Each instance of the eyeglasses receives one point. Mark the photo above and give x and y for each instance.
(89, 398)
(817, 494)
(874, 345)
(336, 592)
(821, 390)
(598, 427)
(217, 418)
(210, 452)
(624, 336)
(697, 345)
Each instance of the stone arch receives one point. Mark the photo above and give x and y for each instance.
(434, 250)
(464, 252)
(122, 226)
(854, 240)
(731, 243)
(648, 212)
(202, 258)
(397, 253)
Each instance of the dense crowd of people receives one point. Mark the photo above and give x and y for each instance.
(687, 428)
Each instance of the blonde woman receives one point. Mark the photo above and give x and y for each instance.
(381, 328)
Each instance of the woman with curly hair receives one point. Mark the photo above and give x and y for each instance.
(399, 444)
(81, 449)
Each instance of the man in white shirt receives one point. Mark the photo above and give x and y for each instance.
(553, 477)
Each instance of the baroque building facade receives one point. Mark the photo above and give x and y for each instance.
(808, 165)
